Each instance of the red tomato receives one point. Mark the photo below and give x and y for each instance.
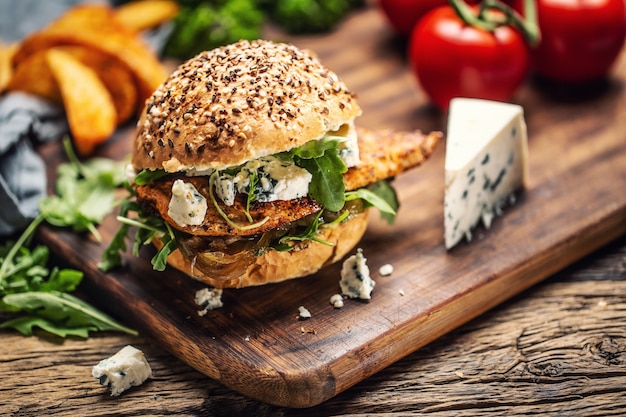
(580, 39)
(404, 14)
(452, 59)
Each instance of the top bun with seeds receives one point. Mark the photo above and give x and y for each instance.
(237, 103)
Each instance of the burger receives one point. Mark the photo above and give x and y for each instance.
(247, 168)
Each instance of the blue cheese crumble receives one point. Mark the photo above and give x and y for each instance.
(348, 144)
(187, 206)
(355, 277)
(125, 369)
(304, 313)
(270, 178)
(385, 270)
(208, 299)
(336, 300)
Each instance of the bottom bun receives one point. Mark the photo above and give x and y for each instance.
(274, 266)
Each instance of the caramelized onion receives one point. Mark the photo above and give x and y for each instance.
(227, 258)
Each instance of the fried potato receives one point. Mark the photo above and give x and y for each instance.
(33, 76)
(6, 57)
(146, 14)
(96, 27)
(88, 105)
(114, 75)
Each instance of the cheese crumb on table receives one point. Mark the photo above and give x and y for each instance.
(355, 277)
(386, 270)
(125, 369)
(336, 301)
(208, 299)
(304, 313)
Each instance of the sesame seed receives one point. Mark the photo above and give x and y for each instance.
(261, 82)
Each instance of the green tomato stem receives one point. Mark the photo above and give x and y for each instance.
(484, 20)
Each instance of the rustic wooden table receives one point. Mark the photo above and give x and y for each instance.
(557, 349)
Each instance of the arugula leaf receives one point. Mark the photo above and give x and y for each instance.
(146, 176)
(28, 286)
(111, 257)
(308, 234)
(380, 195)
(84, 196)
(25, 324)
(386, 192)
(148, 227)
(58, 313)
(159, 261)
(27, 271)
(85, 193)
(315, 148)
(321, 159)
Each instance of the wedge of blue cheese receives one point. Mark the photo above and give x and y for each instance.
(356, 281)
(486, 162)
(125, 369)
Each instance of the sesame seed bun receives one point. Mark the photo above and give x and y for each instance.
(237, 103)
(274, 266)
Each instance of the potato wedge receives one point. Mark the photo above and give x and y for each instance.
(33, 76)
(146, 14)
(6, 69)
(88, 105)
(96, 27)
(115, 76)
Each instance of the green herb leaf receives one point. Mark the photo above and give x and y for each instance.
(308, 234)
(315, 148)
(25, 325)
(148, 227)
(58, 313)
(204, 25)
(380, 195)
(321, 159)
(84, 193)
(310, 16)
(159, 261)
(112, 255)
(146, 176)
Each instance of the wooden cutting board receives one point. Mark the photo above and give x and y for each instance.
(256, 344)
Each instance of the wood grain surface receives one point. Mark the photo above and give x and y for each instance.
(558, 349)
(574, 204)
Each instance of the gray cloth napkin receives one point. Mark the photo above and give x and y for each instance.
(26, 121)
